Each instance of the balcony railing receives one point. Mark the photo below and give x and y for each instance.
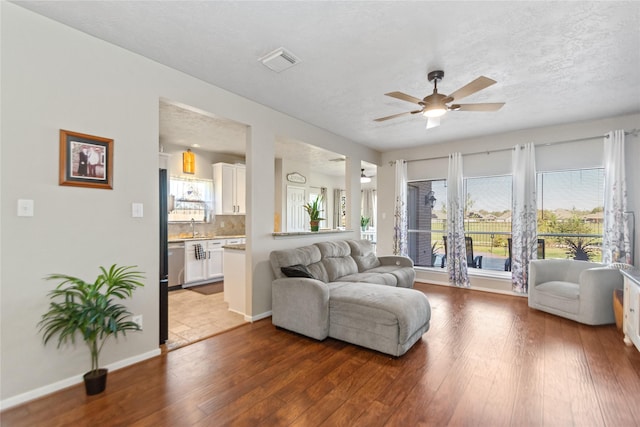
(426, 247)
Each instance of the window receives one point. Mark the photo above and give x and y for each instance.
(570, 213)
(570, 216)
(426, 218)
(487, 218)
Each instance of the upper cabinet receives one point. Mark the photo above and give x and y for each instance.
(229, 183)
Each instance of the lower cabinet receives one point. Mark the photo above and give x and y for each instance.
(631, 321)
(203, 261)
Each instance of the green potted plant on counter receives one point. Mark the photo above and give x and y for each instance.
(313, 209)
(364, 222)
(90, 310)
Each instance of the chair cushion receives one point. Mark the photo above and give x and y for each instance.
(564, 296)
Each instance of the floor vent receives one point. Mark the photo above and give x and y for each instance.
(279, 60)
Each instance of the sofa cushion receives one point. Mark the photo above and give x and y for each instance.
(336, 259)
(306, 255)
(363, 254)
(379, 317)
(297, 270)
(387, 279)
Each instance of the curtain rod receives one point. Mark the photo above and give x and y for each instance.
(633, 132)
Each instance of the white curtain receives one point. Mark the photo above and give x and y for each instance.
(616, 237)
(456, 249)
(400, 243)
(368, 206)
(339, 210)
(524, 217)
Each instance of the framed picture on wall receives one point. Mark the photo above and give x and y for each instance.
(85, 160)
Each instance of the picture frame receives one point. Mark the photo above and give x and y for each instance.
(85, 160)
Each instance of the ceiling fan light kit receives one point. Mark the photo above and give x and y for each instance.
(363, 178)
(435, 105)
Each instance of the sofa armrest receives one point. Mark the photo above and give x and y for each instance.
(301, 305)
(400, 261)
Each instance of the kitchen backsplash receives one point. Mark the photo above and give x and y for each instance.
(222, 225)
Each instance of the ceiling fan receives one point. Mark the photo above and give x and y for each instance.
(435, 105)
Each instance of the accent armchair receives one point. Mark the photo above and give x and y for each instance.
(576, 290)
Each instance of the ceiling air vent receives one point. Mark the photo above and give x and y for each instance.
(279, 60)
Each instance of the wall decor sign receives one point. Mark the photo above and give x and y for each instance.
(85, 160)
(296, 177)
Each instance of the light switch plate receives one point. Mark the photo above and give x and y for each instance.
(137, 210)
(25, 207)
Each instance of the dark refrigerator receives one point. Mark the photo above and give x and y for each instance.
(164, 260)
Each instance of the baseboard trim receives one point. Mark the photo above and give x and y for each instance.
(473, 288)
(258, 316)
(71, 381)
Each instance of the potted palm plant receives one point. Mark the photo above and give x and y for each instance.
(91, 310)
(364, 222)
(313, 209)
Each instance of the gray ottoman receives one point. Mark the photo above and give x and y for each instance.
(382, 318)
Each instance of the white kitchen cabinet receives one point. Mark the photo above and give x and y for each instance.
(229, 183)
(206, 269)
(195, 270)
(631, 320)
(214, 260)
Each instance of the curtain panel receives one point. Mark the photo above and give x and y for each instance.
(456, 248)
(339, 211)
(368, 206)
(524, 216)
(400, 241)
(616, 236)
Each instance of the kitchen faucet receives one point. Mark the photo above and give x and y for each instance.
(193, 228)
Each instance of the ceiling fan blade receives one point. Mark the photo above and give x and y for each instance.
(478, 84)
(404, 97)
(490, 106)
(433, 122)
(382, 119)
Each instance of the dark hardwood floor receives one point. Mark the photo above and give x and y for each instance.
(488, 360)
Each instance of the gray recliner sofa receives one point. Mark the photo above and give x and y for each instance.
(350, 294)
(577, 290)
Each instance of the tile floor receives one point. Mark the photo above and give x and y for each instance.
(193, 317)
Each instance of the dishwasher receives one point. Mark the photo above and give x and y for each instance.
(176, 263)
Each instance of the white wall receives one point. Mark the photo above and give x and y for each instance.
(580, 154)
(54, 77)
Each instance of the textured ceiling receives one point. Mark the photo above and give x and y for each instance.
(190, 127)
(555, 62)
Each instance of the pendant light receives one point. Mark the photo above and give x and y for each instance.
(188, 162)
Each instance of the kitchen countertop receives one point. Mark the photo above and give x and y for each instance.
(188, 239)
(238, 247)
(308, 233)
(633, 274)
